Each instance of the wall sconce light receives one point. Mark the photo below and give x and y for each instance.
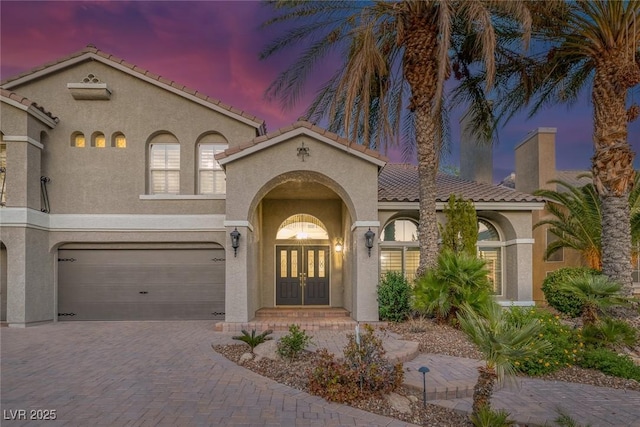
(235, 241)
(368, 239)
(339, 245)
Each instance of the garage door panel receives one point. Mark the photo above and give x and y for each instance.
(134, 274)
(146, 284)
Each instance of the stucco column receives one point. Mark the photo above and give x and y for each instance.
(237, 273)
(364, 291)
(30, 295)
(519, 270)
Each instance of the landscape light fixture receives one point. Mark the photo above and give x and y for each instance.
(235, 241)
(424, 371)
(368, 236)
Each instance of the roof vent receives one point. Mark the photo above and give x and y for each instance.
(91, 89)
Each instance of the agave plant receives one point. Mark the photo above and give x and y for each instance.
(252, 339)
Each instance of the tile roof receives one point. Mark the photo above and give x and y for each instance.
(298, 125)
(26, 102)
(92, 50)
(399, 183)
(574, 178)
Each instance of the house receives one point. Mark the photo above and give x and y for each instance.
(126, 195)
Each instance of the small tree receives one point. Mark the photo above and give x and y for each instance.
(460, 233)
(501, 342)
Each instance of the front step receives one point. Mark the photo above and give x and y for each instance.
(308, 319)
(303, 313)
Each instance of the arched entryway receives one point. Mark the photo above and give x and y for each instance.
(303, 262)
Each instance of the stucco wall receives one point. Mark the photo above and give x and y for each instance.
(81, 176)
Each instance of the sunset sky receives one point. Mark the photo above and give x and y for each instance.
(213, 46)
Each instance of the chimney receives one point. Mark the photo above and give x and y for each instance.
(476, 157)
(536, 161)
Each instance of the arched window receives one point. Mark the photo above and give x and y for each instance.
(399, 249)
(211, 177)
(98, 140)
(302, 226)
(490, 249)
(118, 140)
(77, 140)
(164, 165)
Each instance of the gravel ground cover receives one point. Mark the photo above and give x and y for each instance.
(432, 338)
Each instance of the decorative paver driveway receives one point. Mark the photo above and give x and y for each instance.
(148, 373)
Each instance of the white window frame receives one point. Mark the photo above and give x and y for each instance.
(499, 245)
(404, 245)
(216, 169)
(165, 169)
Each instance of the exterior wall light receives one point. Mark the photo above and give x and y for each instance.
(368, 237)
(339, 245)
(235, 241)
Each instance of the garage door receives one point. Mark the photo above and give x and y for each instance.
(140, 284)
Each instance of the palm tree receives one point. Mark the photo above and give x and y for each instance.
(592, 44)
(577, 219)
(457, 278)
(597, 292)
(501, 342)
(394, 54)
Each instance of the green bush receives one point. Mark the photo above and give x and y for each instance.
(610, 363)
(292, 344)
(253, 340)
(363, 372)
(486, 417)
(610, 333)
(394, 293)
(456, 279)
(566, 345)
(563, 301)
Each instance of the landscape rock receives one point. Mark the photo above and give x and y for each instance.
(245, 358)
(399, 403)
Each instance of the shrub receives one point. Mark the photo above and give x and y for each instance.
(611, 363)
(292, 344)
(566, 345)
(486, 417)
(253, 340)
(456, 279)
(363, 372)
(610, 333)
(565, 302)
(460, 232)
(394, 293)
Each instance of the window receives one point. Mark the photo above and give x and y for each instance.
(399, 248)
(302, 227)
(558, 255)
(77, 140)
(119, 140)
(490, 250)
(211, 177)
(3, 173)
(98, 140)
(164, 168)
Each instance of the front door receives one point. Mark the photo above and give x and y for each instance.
(302, 275)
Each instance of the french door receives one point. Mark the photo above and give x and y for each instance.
(302, 275)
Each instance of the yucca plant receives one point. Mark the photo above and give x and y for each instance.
(501, 342)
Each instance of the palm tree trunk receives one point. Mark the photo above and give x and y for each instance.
(483, 390)
(420, 70)
(612, 165)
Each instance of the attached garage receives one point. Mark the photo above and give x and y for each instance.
(180, 283)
